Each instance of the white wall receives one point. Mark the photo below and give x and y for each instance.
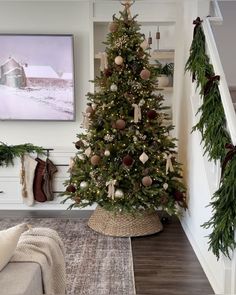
(49, 17)
(226, 40)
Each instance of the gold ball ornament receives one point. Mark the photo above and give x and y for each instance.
(120, 124)
(112, 27)
(145, 74)
(147, 181)
(119, 60)
(95, 160)
(83, 184)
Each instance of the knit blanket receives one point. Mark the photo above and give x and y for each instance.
(44, 246)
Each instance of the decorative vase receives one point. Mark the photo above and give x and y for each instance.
(124, 224)
(163, 81)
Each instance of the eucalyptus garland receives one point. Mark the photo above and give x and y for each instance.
(9, 152)
(215, 137)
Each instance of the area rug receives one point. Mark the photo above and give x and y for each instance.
(95, 264)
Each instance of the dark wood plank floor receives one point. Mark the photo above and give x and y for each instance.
(164, 264)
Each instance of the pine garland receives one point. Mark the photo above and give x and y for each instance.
(212, 126)
(223, 221)
(9, 152)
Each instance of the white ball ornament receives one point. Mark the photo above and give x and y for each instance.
(107, 153)
(113, 87)
(119, 193)
(119, 60)
(83, 184)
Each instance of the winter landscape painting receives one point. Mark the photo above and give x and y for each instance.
(36, 77)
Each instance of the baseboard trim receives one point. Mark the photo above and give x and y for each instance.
(214, 284)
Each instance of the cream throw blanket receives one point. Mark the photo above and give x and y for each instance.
(44, 246)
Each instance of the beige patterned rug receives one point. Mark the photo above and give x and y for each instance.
(95, 264)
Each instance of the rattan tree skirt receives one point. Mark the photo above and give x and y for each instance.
(123, 224)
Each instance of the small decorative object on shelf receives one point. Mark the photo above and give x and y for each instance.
(163, 73)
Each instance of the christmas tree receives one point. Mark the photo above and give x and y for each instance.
(126, 161)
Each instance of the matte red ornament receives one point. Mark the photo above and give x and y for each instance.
(147, 181)
(95, 159)
(145, 74)
(70, 188)
(152, 114)
(128, 160)
(120, 124)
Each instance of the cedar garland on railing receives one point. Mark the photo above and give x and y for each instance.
(212, 126)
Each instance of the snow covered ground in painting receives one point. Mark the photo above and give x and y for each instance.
(36, 103)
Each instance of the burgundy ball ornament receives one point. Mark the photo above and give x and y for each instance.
(95, 160)
(128, 160)
(145, 74)
(112, 27)
(79, 144)
(147, 181)
(119, 60)
(151, 114)
(107, 72)
(120, 124)
(70, 188)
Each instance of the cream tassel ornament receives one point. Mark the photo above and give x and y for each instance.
(104, 61)
(169, 166)
(86, 121)
(111, 188)
(137, 111)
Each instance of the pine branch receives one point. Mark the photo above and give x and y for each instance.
(9, 152)
(223, 221)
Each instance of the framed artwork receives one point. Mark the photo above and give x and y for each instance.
(37, 77)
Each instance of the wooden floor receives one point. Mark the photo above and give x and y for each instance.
(164, 264)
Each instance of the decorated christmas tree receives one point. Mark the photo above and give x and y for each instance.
(126, 161)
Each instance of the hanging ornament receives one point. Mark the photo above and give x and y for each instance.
(81, 157)
(71, 165)
(119, 193)
(127, 160)
(83, 184)
(111, 188)
(89, 109)
(147, 181)
(112, 27)
(107, 153)
(150, 39)
(144, 45)
(77, 199)
(107, 72)
(119, 60)
(70, 188)
(86, 121)
(79, 144)
(95, 159)
(103, 61)
(169, 166)
(94, 106)
(165, 186)
(120, 124)
(137, 111)
(151, 114)
(114, 87)
(143, 158)
(88, 151)
(145, 74)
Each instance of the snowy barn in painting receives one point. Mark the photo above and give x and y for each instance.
(12, 74)
(42, 76)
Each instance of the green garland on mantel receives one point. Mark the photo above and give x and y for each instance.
(9, 152)
(216, 140)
